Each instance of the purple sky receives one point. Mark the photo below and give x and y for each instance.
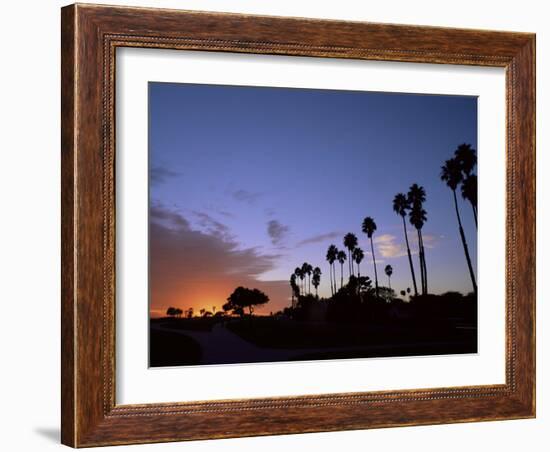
(247, 183)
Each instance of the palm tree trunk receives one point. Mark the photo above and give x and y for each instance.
(425, 282)
(474, 209)
(421, 261)
(465, 245)
(341, 275)
(374, 261)
(389, 282)
(358, 271)
(331, 279)
(330, 274)
(410, 257)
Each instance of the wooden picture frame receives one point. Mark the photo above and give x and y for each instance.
(90, 36)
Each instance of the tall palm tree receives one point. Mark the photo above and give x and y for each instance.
(316, 280)
(332, 251)
(400, 207)
(466, 157)
(451, 174)
(299, 274)
(417, 217)
(307, 269)
(389, 271)
(368, 227)
(350, 242)
(358, 255)
(341, 256)
(294, 287)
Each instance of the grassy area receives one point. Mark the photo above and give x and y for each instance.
(282, 333)
(172, 349)
(400, 350)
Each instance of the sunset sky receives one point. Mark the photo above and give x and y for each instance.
(247, 183)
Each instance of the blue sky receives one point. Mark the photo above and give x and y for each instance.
(267, 178)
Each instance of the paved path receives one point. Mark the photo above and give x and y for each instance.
(221, 345)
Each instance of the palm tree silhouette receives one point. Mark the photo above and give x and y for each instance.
(417, 217)
(300, 274)
(350, 242)
(400, 207)
(331, 258)
(358, 256)
(467, 159)
(307, 269)
(341, 257)
(316, 280)
(389, 271)
(469, 192)
(368, 227)
(294, 287)
(451, 174)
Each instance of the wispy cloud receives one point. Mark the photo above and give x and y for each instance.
(246, 196)
(211, 225)
(319, 238)
(431, 240)
(391, 246)
(160, 175)
(277, 232)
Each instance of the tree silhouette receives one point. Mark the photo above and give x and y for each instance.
(316, 280)
(358, 255)
(469, 192)
(307, 269)
(466, 157)
(341, 257)
(400, 207)
(350, 242)
(389, 271)
(451, 174)
(368, 227)
(332, 251)
(295, 289)
(300, 274)
(417, 217)
(171, 311)
(243, 298)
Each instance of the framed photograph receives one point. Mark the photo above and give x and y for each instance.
(281, 225)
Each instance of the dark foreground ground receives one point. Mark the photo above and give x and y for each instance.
(197, 341)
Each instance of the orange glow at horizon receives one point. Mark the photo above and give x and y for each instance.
(204, 295)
